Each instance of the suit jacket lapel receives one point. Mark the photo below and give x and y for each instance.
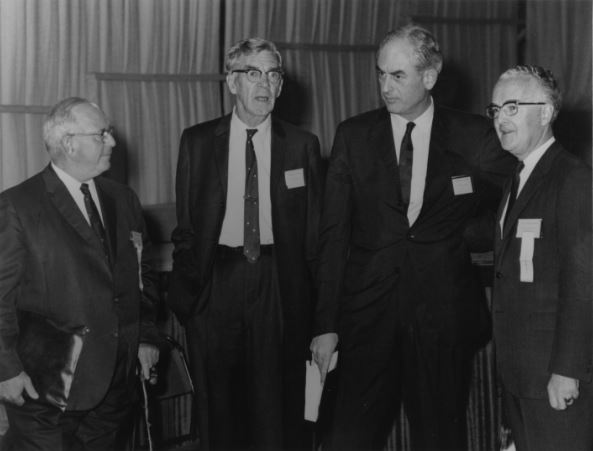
(221, 151)
(531, 187)
(64, 203)
(437, 162)
(109, 217)
(278, 150)
(381, 143)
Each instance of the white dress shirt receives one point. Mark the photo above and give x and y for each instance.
(530, 161)
(421, 142)
(73, 187)
(232, 224)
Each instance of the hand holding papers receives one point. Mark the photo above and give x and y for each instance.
(314, 387)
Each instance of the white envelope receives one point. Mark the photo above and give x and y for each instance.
(313, 387)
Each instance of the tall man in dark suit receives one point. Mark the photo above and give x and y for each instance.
(71, 245)
(543, 295)
(248, 203)
(396, 282)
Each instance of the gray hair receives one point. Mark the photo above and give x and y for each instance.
(426, 48)
(545, 80)
(249, 47)
(56, 122)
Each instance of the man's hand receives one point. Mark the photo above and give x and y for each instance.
(148, 356)
(562, 391)
(11, 390)
(322, 347)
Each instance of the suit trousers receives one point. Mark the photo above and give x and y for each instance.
(37, 425)
(535, 426)
(430, 377)
(238, 342)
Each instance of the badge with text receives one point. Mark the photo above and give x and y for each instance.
(462, 184)
(533, 226)
(295, 178)
(528, 230)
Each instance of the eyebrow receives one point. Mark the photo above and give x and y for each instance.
(273, 69)
(396, 72)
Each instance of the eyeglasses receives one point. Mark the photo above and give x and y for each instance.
(510, 108)
(255, 75)
(104, 134)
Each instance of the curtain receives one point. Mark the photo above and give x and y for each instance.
(478, 39)
(41, 63)
(151, 65)
(558, 37)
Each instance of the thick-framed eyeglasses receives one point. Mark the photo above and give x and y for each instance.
(255, 75)
(104, 134)
(510, 108)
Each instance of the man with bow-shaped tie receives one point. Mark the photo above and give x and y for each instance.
(542, 299)
(67, 257)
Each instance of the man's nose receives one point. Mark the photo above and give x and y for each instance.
(109, 140)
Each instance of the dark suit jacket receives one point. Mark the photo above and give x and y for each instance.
(202, 175)
(544, 327)
(374, 268)
(53, 264)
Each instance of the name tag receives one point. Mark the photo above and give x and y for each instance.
(462, 184)
(528, 230)
(531, 226)
(295, 178)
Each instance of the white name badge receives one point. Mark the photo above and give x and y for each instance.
(531, 226)
(295, 178)
(526, 257)
(462, 184)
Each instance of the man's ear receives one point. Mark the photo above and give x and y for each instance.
(546, 114)
(67, 144)
(429, 78)
(279, 90)
(230, 82)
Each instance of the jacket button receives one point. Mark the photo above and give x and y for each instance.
(115, 334)
(116, 300)
(411, 236)
(498, 275)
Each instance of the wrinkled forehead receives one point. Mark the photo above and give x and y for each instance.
(517, 87)
(89, 115)
(261, 60)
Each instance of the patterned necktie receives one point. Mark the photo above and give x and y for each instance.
(406, 157)
(94, 217)
(251, 213)
(514, 189)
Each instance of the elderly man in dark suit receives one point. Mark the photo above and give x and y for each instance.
(396, 283)
(71, 255)
(248, 206)
(543, 296)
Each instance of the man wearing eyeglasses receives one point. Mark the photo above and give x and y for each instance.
(248, 206)
(543, 296)
(70, 267)
(405, 186)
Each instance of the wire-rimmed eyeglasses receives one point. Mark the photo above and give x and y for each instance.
(104, 134)
(510, 108)
(255, 75)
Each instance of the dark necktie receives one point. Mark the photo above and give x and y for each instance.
(251, 212)
(406, 158)
(514, 189)
(94, 217)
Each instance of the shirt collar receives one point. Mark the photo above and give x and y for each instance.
(531, 160)
(261, 128)
(422, 121)
(68, 180)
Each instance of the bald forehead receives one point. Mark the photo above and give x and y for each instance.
(88, 112)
